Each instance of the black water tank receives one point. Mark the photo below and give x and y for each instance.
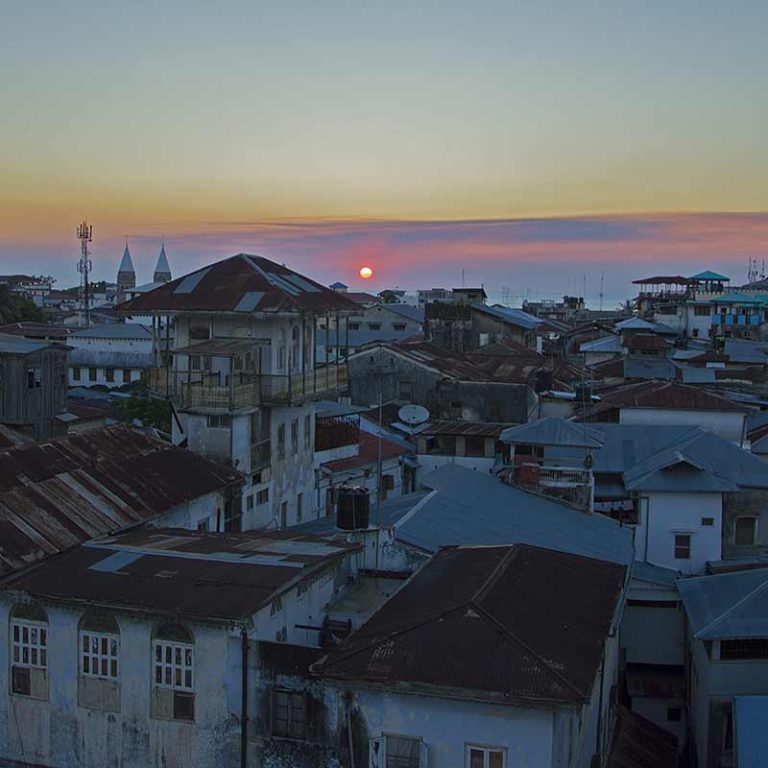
(353, 508)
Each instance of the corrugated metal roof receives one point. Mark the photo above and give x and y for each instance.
(407, 311)
(368, 453)
(503, 623)
(241, 283)
(13, 345)
(113, 331)
(654, 574)
(55, 495)
(639, 743)
(552, 431)
(603, 344)
(510, 315)
(175, 571)
(468, 428)
(727, 605)
(708, 274)
(750, 715)
(469, 507)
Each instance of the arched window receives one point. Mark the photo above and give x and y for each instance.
(745, 531)
(173, 672)
(99, 646)
(29, 650)
(281, 351)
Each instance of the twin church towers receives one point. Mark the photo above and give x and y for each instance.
(126, 275)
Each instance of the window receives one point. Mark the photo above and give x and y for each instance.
(204, 525)
(702, 311)
(374, 326)
(398, 326)
(76, 373)
(283, 514)
(281, 441)
(126, 375)
(682, 546)
(307, 432)
(92, 374)
(281, 636)
(174, 665)
(249, 501)
(353, 326)
(289, 714)
(110, 374)
(710, 521)
(485, 757)
(99, 647)
(456, 409)
(34, 378)
(262, 496)
(294, 437)
(29, 651)
(753, 648)
(299, 502)
(233, 514)
(219, 422)
(173, 673)
(674, 714)
(745, 531)
(405, 390)
(391, 751)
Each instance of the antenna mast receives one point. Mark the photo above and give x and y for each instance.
(85, 235)
(602, 283)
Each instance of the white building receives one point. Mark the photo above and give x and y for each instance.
(728, 651)
(141, 650)
(241, 375)
(109, 355)
(471, 444)
(537, 696)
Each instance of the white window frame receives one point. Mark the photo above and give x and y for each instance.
(169, 648)
(486, 750)
(105, 653)
(754, 520)
(37, 649)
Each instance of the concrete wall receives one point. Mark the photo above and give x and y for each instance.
(726, 424)
(662, 515)
(80, 375)
(749, 502)
(381, 371)
(429, 461)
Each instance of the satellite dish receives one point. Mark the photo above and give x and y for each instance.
(413, 414)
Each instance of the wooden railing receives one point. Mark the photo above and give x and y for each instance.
(293, 388)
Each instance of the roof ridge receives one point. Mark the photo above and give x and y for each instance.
(495, 575)
(542, 662)
(723, 616)
(249, 258)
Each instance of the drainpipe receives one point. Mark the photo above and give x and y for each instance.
(244, 704)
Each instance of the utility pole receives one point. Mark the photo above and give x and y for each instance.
(85, 236)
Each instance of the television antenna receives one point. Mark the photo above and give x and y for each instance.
(84, 266)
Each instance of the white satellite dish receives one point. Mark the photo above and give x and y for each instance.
(413, 414)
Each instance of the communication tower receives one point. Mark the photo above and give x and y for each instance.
(85, 236)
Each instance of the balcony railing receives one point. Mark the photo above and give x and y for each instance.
(565, 480)
(211, 391)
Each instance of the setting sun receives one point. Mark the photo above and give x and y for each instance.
(366, 273)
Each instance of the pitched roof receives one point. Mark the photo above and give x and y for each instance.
(113, 331)
(510, 315)
(709, 275)
(162, 267)
(224, 576)
(57, 494)
(727, 605)
(664, 394)
(513, 624)
(638, 743)
(468, 507)
(368, 453)
(553, 431)
(126, 264)
(241, 283)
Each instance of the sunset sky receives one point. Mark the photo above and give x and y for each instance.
(529, 143)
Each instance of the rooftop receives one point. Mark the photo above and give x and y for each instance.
(469, 507)
(467, 428)
(749, 732)
(727, 605)
(224, 576)
(241, 284)
(368, 453)
(55, 495)
(114, 331)
(489, 622)
(15, 345)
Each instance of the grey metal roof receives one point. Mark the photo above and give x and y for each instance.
(113, 331)
(553, 431)
(603, 344)
(746, 351)
(727, 605)
(647, 367)
(469, 507)
(750, 734)
(109, 358)
(14, 345)
(654, 574)
(408, 311)
(510, 315)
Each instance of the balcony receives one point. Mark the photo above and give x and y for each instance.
(567, 480)
(223, 392)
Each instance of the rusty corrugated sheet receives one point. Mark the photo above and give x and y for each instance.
(57, 494)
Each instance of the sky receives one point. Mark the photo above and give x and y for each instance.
(538, 146)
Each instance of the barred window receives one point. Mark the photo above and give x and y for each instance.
(99, 654)
(682, 546)
(29, 643)
(289, 714)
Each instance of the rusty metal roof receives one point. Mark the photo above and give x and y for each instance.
(57, 494)
(506, 623)
(468, 428)
(241, 283)
(220, 576)
(637, 742)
